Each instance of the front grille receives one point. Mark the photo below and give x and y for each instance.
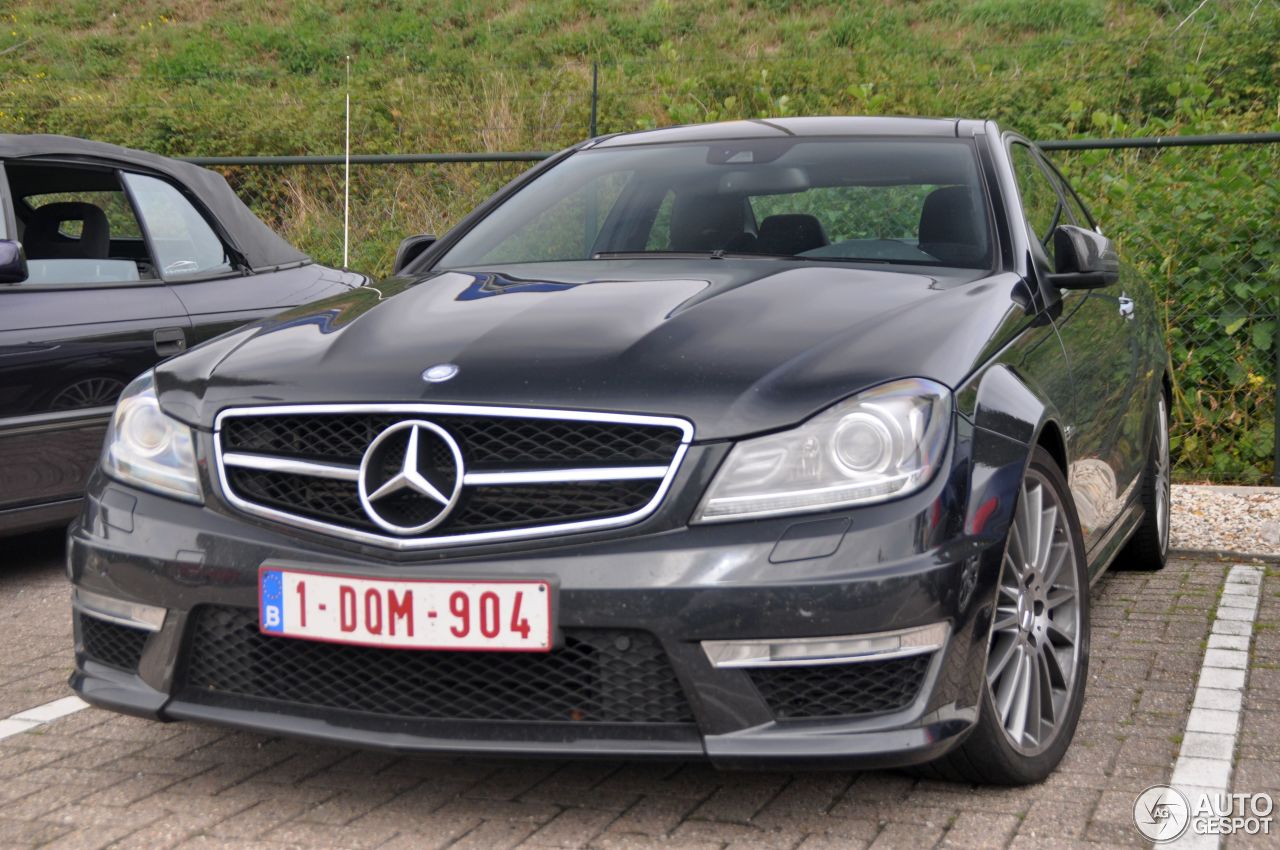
(521, 474)
(111, 643)
(842, 690)
(488, 442)
(495, 508)
(598, 676)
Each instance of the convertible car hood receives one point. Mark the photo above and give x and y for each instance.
(755, 345)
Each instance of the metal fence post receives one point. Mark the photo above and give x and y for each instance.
(595, 95)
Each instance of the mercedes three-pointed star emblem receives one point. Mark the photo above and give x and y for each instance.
(406, 485)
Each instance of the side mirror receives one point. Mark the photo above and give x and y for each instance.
(1085, 259)
(13, 262)
(410, 249)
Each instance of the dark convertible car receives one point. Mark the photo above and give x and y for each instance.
(770, 442)
(110, 260)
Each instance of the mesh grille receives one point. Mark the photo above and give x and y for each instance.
(598, 676)
(494, 444)
(480, 509)
(112, 644)
(487, 443)
(868, 687)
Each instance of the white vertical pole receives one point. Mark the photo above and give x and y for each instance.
(346, 178)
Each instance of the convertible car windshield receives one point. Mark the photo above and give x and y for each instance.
(827, 200)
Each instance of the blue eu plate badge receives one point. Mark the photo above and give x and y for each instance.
(272, 606)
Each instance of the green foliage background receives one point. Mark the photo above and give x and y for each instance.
(190, 77)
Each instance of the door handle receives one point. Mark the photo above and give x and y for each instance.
(1126, 306)
(169, 341)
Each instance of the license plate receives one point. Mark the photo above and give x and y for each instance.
(510, 616)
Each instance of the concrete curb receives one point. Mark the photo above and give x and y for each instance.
(1223, 555)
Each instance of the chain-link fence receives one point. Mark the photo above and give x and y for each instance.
(1198, 221)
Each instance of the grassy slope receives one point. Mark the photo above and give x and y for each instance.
(198, 76)
(209, 77)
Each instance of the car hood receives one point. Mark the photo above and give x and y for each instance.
(735, 346)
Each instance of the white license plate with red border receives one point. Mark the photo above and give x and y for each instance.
(507, 616)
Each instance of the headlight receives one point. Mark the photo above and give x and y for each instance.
(148, 449)
(880, 444)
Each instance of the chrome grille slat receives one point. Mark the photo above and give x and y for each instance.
(341, 472)
(271, 463)
(541, 472)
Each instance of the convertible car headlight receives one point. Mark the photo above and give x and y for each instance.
(880, 444)
(149, 449)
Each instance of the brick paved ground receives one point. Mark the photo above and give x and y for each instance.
(96, 780)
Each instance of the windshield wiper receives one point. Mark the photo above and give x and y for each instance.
(737, 255)
(641, 255)
(850, 260)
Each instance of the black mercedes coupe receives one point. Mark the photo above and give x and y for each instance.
(769, 442)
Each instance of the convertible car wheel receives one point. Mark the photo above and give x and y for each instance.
(1038, 655)
(1148, 548)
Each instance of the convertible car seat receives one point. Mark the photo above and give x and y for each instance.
(43, 241)
(790, 234)
(949, 227)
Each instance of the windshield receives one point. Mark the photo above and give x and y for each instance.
(825, 200)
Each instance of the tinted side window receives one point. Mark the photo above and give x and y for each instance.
(1076, 208)
(114, 204)
(1040, 202)
(83, 233)
(183, 242)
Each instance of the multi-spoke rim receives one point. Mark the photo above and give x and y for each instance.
(90, 392)
(1035, 637)
(1162, 476)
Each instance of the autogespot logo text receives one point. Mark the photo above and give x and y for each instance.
(1162, 813)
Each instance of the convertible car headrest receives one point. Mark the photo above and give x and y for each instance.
(43, 241)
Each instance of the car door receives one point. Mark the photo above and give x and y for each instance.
(71, 337)
(192, 258)
(1100, 338)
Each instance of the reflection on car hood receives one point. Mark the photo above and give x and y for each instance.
(736, 346)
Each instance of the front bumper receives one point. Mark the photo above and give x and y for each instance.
(896, 566)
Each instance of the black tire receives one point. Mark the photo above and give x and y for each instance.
(989, 756)
(1148, 548)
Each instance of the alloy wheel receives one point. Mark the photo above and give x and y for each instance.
(1162, 476)
(1034, 653)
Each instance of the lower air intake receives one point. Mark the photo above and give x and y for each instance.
(112, 644)
(842, 690)
(598, 676)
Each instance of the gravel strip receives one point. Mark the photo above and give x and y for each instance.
(1231, 519)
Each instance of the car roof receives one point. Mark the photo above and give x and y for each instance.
(763, 128)
(261, 247)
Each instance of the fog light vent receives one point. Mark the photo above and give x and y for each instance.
(843, 690)
(112, 644)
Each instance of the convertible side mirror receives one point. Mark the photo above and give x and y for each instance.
(1085, 259)
(410, 249)
(13, 262)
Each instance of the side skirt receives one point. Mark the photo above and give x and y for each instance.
(1107, 549)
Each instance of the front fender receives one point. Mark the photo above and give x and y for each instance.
(1009, 416)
